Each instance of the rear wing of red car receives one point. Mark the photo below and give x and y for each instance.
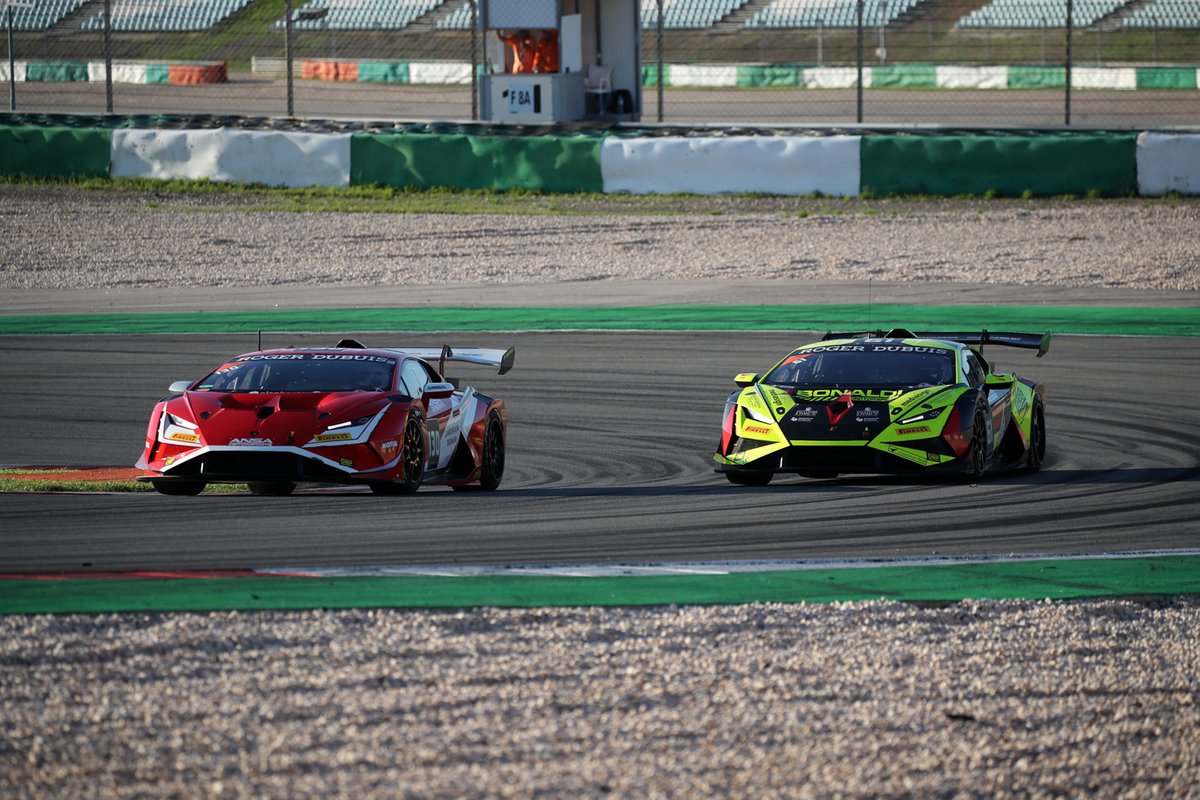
(1028, 341)
(486, 356)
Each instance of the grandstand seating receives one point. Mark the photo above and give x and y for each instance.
(165, 15)
(1164, 14)
(351, 15)
(457, 20)
(41, 15)
(683, 14)
(1039, 13)
(828, 13)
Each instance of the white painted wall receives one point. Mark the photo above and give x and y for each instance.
(1168, 163)
(722, 165)
(272, 158)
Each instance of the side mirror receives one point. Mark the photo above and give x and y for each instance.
(179, 387)
(745, 379)
(437, 391)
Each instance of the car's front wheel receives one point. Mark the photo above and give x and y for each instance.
(749, 478)
(413, 460)
(179, 488)
(979, 446)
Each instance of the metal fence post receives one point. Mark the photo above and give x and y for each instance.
(859, 59)
(12, 65)
(108, 89)
(476, 60)
(1067, 81)
(287, 54)
(660, 60)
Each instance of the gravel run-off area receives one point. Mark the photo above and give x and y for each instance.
(979, 699)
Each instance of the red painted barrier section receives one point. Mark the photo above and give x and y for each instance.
(195, 74)
(329, 70)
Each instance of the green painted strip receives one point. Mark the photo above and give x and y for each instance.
(57, 71)
(1021, 77)
(1056, 579)
(1054, 319)
(904, 76)
(1009, 165)
(383, 72)
(55, 151)
(158, 73)
(761, 75)
(460, 161)
(1166, 77)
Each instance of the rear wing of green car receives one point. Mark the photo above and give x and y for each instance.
(1028, 341)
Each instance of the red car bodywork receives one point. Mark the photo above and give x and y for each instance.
(348, 414)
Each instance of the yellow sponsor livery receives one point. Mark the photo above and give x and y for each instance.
(876, 402)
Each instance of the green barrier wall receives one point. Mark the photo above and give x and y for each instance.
(459, 161)
(57, 71)
(1166, 78)
(158, 73)
(904, 76)
(1037, 77)
(54, 152)
(770, 75)
(383, 72)
(1044, 165)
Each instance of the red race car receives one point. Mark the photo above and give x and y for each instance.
(381, 417)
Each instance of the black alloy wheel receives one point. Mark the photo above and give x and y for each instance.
(492, 469)
(978, 446)
(1037, 439)
(413, 460)
(749, 478)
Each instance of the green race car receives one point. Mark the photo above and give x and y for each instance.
(881, 402)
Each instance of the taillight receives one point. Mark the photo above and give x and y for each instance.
(954, 436)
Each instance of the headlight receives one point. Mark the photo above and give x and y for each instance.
(926, 416)
(346, 432)
(177, 430)
(757, 416)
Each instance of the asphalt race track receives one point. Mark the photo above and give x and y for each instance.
(609, 442)
(247, 95)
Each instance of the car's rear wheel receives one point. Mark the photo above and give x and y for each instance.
(491, 470)
(1037, 439)
(179, 488)
(978, 446)
(749, 478)
(413, 460)
(277, 488)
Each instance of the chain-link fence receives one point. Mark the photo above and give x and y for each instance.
(963, 63)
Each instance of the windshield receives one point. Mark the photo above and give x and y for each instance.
(849, 366)
(302, 372)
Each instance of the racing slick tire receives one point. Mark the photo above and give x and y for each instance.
(749, 478)
(414, 462)
(978, 456)
(491, 466)
(179, 488)
(274, 488)
(1037, 439)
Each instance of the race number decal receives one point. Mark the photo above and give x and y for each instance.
(435, 444)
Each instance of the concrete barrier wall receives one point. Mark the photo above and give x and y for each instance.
(784, 165)
(1168, 163)
(271, 158)
(1010, 165)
